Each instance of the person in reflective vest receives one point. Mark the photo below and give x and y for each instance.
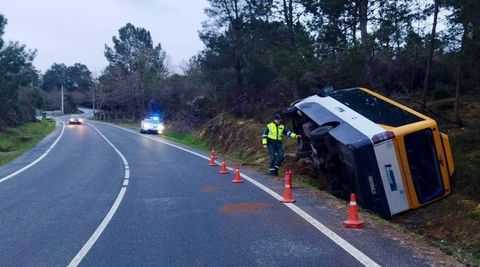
(272, 139)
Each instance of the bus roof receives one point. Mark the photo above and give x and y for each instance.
(377, 108)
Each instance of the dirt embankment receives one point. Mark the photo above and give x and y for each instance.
(240, 140)
(451, 224)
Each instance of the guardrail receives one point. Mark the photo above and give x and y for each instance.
(114, 116)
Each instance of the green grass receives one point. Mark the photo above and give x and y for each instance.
(15, 141)
(307, 183)
(465, 256)
(186, 139)
(467, 170)
(242, 157)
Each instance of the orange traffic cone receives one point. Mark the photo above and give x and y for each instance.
(287, 192)
(223, 168)
(236, 176)
(288, 178)
(353, 221)
(212, 153)
(212, 161)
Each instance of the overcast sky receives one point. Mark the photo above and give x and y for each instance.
(70, 31)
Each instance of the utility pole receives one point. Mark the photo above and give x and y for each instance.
(62, 99)
(93, 102)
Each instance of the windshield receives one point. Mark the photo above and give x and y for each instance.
(423, 163)
(151, 120)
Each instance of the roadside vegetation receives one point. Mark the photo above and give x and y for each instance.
(187, 139)
(260, 56)
(14, 141)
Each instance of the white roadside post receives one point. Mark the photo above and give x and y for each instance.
(62, 99)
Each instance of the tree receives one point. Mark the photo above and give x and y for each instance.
(79, 77)
(363, 14)
(465, 24)
(76, 77)
(77, 82)
(55, 77)
(232, 15)
(290, 12)
(435, 6)
(329, 22)
(3, 22)
(16, 70)
(135, 69)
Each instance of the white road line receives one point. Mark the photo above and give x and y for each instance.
(357, 254)
(91, 241)
(155, 139)
(39, 158)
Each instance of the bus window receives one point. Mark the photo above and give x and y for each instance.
(424, 167)
(374, 108)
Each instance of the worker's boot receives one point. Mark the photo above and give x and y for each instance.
(275, 172)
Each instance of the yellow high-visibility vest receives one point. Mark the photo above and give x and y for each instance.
(275, 132)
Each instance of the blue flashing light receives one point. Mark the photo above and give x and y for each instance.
(155, 118)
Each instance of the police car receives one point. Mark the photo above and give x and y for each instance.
(391, 156)
(152, 124)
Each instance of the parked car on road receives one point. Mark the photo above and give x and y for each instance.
(75, 119)
(152, 124)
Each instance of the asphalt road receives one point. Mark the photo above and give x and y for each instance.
(75, 206)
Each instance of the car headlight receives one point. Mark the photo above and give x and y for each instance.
(71, 119)
(161, 127)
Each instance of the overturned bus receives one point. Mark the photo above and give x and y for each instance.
(392, 157)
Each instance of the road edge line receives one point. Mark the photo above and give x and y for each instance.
(103, 225)
(345, 245)
(31, 164)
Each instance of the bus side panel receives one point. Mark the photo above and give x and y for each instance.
(368, 181)
(388, 166)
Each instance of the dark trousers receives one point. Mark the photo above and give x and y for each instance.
(275, 151)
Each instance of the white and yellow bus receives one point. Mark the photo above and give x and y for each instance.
(391, 156)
